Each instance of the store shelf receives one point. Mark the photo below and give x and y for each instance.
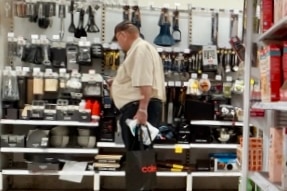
(277, 32)
(162, 174)
(216, 174)
(261, 180)
(214, 146)
(47, 123)
(156, 146)
(48, 173)
(49, 150)
(282, 106)
(215, 123)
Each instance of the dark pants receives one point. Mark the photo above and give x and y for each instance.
(129, 111)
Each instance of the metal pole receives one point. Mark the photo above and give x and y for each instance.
(246, 97)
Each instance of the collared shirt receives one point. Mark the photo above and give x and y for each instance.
(141, 67)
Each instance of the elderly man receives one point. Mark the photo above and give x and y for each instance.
(138, 89)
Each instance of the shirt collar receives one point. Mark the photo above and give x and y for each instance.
(138, 40)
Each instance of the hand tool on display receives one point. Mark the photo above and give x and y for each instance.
(227, 61)
(80, 30)
(62, 13)
(72, 26)
(126, 13)
(170, 106)
(233, 25)
(164, 38)
(42, 21)
(92, 26)
(136, 19)
(214, 29)
(220, 68)
(176, 33)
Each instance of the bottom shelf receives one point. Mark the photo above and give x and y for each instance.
(119, 173)
(261, 179)
(47, 173)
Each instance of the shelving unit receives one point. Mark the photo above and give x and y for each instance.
(49, 150)
(47, 123)
(261, 180)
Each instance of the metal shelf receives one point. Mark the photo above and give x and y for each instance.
(277, 32)
(48, 173)
(174, 146)
(162, 174)
(48, 123)
(214, 146)
(282, 106)
(215, 123)
(216, 174)
(261, 180)
(49, 150)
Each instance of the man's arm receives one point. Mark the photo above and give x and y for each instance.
(146, 92)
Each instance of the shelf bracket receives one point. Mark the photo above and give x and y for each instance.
(97, 182)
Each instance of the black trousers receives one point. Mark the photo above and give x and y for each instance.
(128, 112)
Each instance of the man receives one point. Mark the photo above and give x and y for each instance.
(138, 88)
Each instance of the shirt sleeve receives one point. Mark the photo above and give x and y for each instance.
(142, 71)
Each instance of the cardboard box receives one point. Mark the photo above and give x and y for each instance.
(267, 14)
(275, 154)
(280, 10)
(270, 73)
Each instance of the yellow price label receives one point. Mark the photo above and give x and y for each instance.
(252, 81)
(177, 166)
(175, 170)
(178, 149)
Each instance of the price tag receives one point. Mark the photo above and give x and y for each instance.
(186, 51)
(92, 71)
(176, 49)
(175, 170)
(34, 36)
(62, 70)
(26, 69)
(171, 84)
(18, 68)
(178, 149)
(36, 70)
(159, 50)
(165, 83)
(11, 35)
(56, 37)
(49, 70)
(177, 166)
(168, 49)
(178, 84)
(185, 84)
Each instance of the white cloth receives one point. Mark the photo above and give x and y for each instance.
(132, 123)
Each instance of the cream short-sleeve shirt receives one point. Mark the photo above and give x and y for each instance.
(141, 67)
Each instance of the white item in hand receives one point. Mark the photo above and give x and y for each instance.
(132, 123)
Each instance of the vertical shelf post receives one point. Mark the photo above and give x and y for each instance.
(246, 97)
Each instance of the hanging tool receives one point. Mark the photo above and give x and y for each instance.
(62, 13)
(91, 26)
(233, 25)
(72, 26)
(164, 38)
(214, 29)
(126, 13)
(136, 19)
(176, 33)
(80, 31)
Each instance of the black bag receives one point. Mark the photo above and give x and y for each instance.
(141, 166)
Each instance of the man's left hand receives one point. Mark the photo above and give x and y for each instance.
(141, 117)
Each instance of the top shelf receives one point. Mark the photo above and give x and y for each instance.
(277, 32)
(48, 123)
(216, 123)
(281, 106)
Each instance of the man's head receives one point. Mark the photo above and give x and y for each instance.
(125, 34)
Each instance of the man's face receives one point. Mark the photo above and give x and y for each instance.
(122, 40)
